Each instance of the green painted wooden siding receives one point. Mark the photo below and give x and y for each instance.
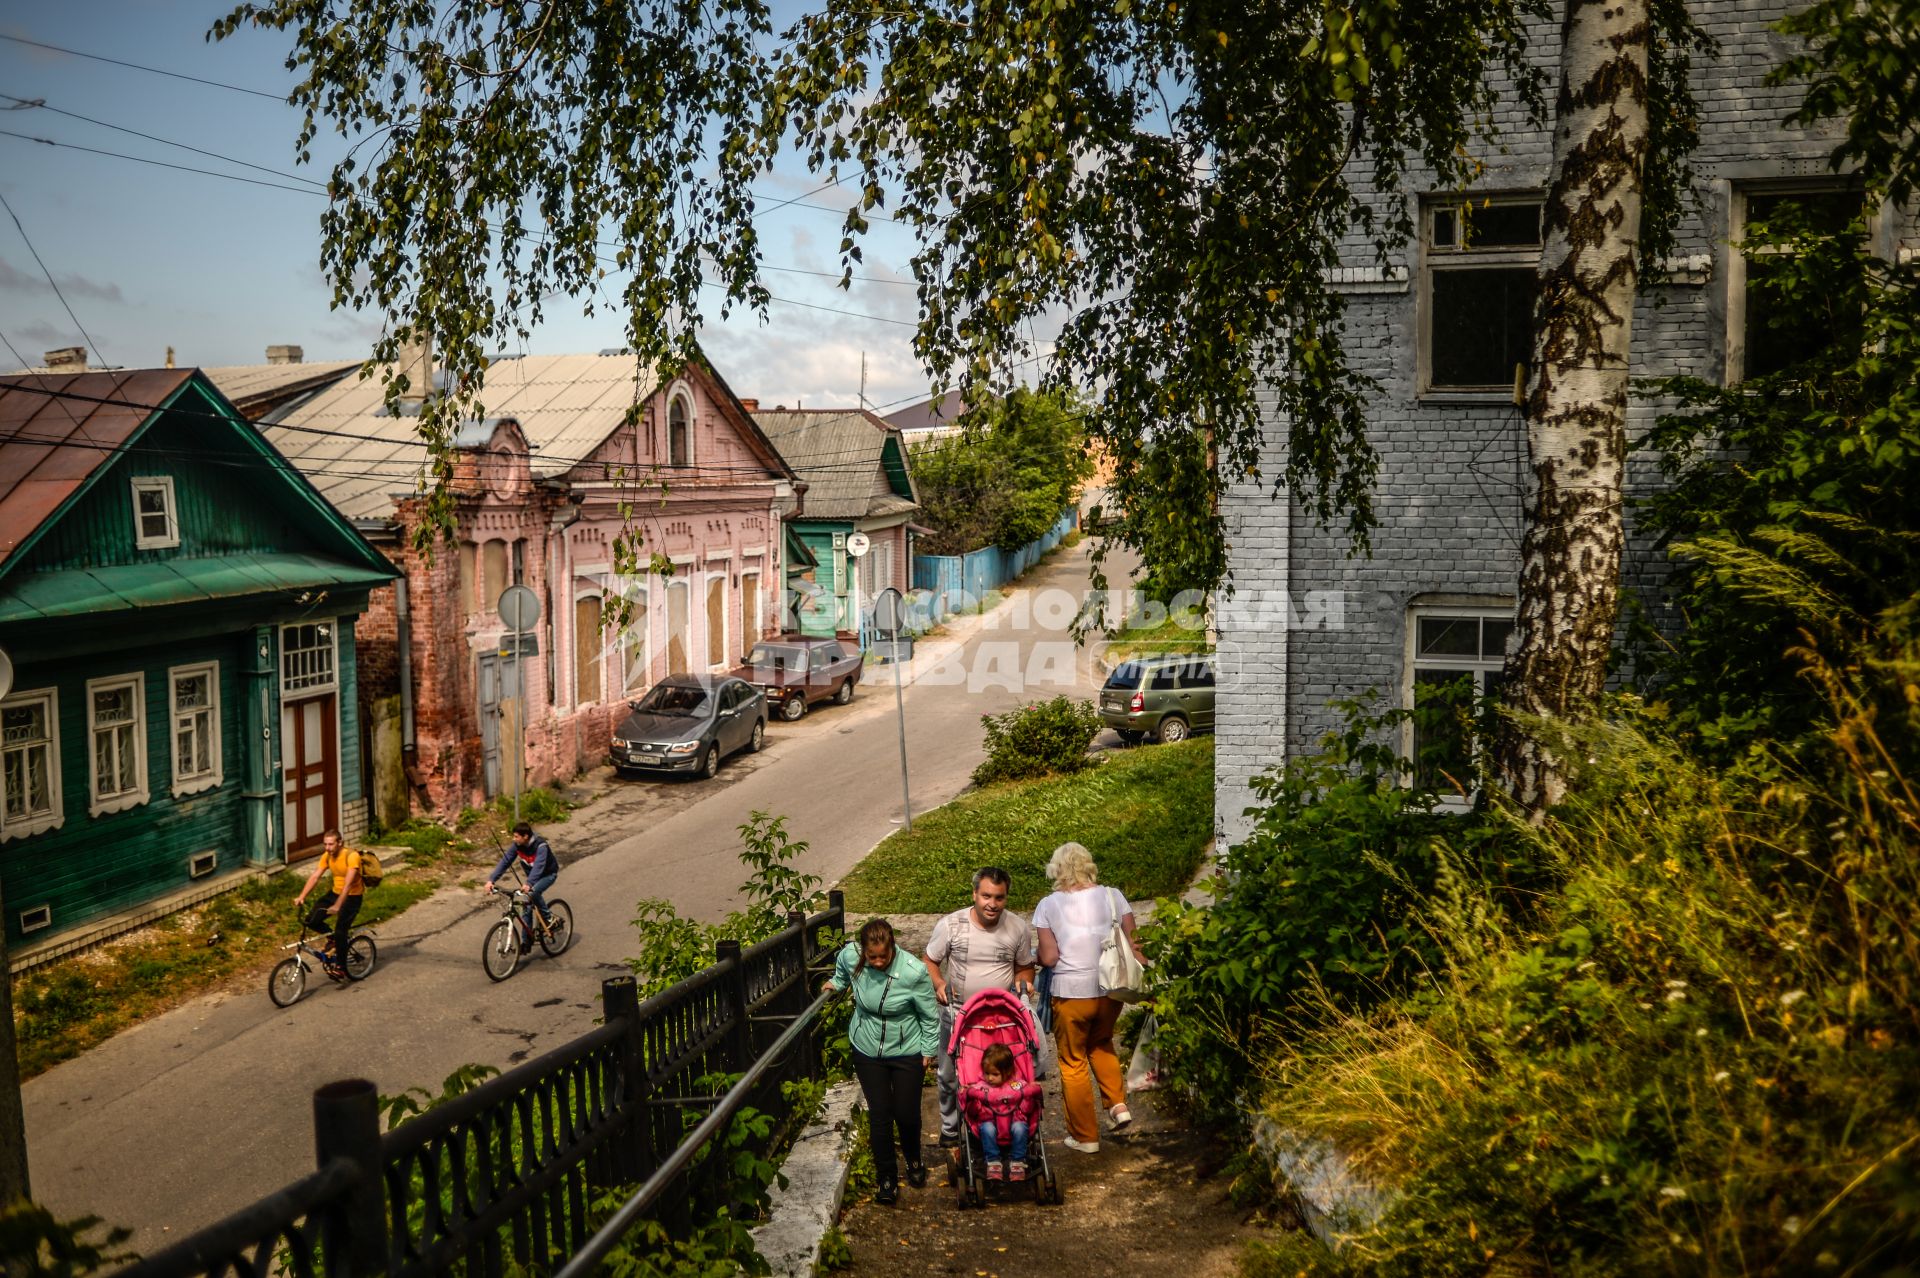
(227, 500)
(93, 866)
(819, 539)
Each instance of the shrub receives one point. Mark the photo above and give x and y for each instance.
(1046, 738)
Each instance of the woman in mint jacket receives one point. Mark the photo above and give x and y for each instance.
(895, 1032)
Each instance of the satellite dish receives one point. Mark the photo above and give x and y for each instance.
(858, 544)
(6, 673)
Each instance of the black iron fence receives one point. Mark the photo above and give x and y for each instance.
(509, 1171)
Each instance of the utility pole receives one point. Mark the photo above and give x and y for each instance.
(863, 379)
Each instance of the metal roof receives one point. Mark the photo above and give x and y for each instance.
(248, 385)
(361, 457)
(76, 591)
(54, 433)
(839, 452)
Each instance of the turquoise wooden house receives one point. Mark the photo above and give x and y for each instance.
(855, 468)
(176, 611)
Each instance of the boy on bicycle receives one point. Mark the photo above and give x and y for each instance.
(342, 903)
(538, 863)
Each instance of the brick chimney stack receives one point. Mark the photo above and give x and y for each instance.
(751, 405)
(68, 359)
(285, 354)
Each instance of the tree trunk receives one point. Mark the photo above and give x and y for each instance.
(13, 1123)
(1577, 400)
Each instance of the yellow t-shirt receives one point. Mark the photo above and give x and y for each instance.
(343, 863)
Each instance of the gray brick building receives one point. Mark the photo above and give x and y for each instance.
(1436, 330)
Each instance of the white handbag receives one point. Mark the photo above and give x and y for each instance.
(1121, 976)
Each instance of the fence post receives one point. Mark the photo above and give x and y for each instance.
(837, 905)
(346, 1124)
(620, 1001)
(734, 990)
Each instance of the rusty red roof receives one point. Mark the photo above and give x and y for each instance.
(56, 429)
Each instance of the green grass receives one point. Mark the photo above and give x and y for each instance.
(538, 806)
(1168, 636)
(68, 1006)
(1146, 816)
(426, 841)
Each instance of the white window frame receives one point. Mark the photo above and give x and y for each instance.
(185, 783)
(1438, 258)
(119, 800)
(56, 814)
(1736, 301)
(162, 484)
(331, 626)
(1478, 666)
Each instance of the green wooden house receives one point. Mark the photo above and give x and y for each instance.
(176, 613)
(855, 468)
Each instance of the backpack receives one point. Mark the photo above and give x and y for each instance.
(370, 871)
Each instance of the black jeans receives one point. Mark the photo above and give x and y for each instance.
(342, 922)
(892, 1087)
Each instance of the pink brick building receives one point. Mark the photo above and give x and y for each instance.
(549, 488)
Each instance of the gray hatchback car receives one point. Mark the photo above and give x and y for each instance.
(1167, 697)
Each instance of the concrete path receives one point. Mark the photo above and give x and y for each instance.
(188, 1117)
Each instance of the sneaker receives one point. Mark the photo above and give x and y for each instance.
(1120, 1118)
(1083, 1146)
(334, 971)
(996, 1171)
(1016, 1171)
(526, 945)
(949, 1140)
(917, 1175)
(886, 1192)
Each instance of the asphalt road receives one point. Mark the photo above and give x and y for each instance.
(182, 1120)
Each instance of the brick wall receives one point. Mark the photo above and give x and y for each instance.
(1449, 494)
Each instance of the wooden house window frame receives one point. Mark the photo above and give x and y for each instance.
(307, 669)
(197, 720)
(16, 755)
(142, 539)
(112, 737)
(1447, 248)
(1487, 661)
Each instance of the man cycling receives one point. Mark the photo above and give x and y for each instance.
(342, 903)
(538, 864)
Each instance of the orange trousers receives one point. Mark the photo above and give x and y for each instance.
(1083, 1031)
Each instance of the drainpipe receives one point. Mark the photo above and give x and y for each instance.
(403, 624)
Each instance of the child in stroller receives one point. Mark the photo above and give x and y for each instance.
(993, 1051)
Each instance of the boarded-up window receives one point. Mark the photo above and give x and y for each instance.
(679, 622)
(493, 560)
(749, 609)
(636, 648)
(717, 619)
(469, 579)
(586, 650)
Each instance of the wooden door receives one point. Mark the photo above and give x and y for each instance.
(310, 772)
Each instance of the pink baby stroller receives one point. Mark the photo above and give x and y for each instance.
(990, 1017)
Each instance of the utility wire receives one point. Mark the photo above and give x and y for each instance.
(43, 105)
(141, 159)
(53, 283)
(95, 57)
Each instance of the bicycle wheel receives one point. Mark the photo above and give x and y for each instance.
(287, 982)
(558, 934)
(501, 954)
(362, 953)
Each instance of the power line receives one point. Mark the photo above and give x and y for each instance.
(53, 283)
(95, 57)
(43, 105)
(141, 159)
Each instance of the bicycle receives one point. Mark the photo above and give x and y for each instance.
(500, 954)
(288, 980)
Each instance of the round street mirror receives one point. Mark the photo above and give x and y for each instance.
(519, 608)
(858, 544)
(889, 612)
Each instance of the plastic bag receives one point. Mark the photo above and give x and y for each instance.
(1143, 1071)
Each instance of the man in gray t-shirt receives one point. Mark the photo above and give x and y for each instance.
(983, 947)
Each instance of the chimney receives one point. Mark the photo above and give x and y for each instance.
(285, 354)
(416, 361)
(68, 359)
(751, 405)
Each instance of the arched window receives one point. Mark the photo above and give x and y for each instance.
(679, 432)
(493, 564)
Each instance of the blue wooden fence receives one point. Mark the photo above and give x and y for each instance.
(946, 584)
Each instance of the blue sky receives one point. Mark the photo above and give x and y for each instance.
(151, 257)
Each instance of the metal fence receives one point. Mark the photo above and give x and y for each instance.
(955, 583)
(507, 1174)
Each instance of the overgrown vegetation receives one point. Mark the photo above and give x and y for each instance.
(1673, 1028)
(1146, 815)
(72, 1004)
(1004, 480)
(34, 1243)
(1144, 637)
(1047, 738)
(539, 806)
